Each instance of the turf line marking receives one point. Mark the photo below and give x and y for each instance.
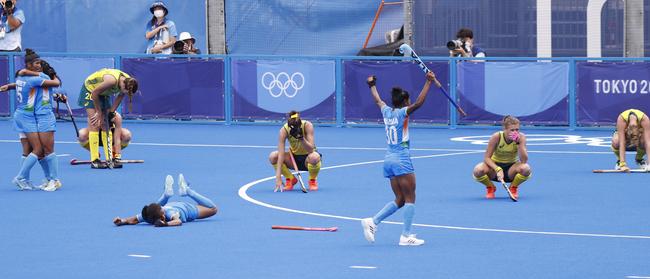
(363, 267)
(139, 256)
(63, 155)
(244, 195)
(638, 277)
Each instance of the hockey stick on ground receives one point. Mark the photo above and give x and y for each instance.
(408, 51)
(108, 145)
(75, 161)
(621, 171)
(505, 186)
(295, 167)
(296, 228)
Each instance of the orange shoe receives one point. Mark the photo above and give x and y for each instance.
(513, 190)
(313, 185)
(490, 192)
(290, 182)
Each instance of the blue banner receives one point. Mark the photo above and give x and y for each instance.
(4, 79)
(607, 89)
(278, 87)
(536, 92)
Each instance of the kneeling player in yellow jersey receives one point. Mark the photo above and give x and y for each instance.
(500, 162)
(300, 134)
(121, 138)
(632, 132)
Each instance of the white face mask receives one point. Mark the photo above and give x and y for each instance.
(159, 13)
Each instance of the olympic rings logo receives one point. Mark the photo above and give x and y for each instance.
(283, 83)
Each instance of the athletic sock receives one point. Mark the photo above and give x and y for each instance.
(20, 165)
(46, 169)
(313, 170)
(93, 141)
(409, 212)
(27, 165)
(618, 156)
(640, 153)
(485, 180)
(162, 201)
(52, 166)
(201, 200)
(285, 171)
(105, 145)
(388, 210)
(519, 178)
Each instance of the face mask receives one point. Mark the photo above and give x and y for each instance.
(159, 13)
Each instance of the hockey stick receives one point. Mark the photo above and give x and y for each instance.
(505, 186)
(621, 171)
(76, 161)
(408, 51)
(296, 228)
(108, 145)
(295, 167)
(76, 130)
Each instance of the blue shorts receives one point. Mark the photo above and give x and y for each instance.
(397, 164)
(25, 122)
(46, 122)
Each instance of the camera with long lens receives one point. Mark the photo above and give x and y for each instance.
(179, 47)
(455, 44)
(9, 4)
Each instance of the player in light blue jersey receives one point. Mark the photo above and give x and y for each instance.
(397, 162)
(163, 213)
(26, 120)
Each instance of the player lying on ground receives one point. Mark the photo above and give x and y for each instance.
(500, 161)
(397, 162)
(121, 137)
(95, 97)
(633, 132)
(163, 213)
(300, 134)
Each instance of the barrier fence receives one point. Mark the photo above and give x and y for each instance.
(573, 92)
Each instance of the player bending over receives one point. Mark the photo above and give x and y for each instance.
(121, 138)
(633, 132)
(397, 162)
(300, 134)
(500, 160)
(163, 214)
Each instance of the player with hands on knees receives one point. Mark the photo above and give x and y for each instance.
(397, 161)
(632, 132)
(300, 134)
(164, 213)
(500, 162)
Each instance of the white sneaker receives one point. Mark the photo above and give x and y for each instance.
(642, 164)
(410, 240)
(43, 185)
(182, 185)
(369, 229)
(52, 185)
(22, 184)
(169, 186)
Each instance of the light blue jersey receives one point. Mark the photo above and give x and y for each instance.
(397, 160)
(186, 212)
(26, 92)
(44, 98)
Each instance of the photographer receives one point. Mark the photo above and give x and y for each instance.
(185, 45)
(464, 46)
(11, 24)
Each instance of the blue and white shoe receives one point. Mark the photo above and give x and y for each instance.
(52, 185)
(182, 185)
(169, 186)
(23, 184)
(410, 240)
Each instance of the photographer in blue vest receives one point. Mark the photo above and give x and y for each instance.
(463, 45)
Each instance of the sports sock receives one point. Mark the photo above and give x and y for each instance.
(409, 212)
(519, 178)
(618, 156)
(640, 152)
(162, 201)
(285, 171)
(201, 200)
(105, 147)
(388, 210)
(313, 170)
(27, 165)
(46, 169)
(22, 159)
(52, 166)
(485, 180)
(93, 140)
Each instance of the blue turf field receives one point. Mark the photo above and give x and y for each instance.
(569, 223)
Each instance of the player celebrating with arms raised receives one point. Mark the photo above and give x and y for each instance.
(397, 162)
(500, 160)
(300, 134)
(632, 132)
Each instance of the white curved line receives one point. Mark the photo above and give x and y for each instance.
(244, 195)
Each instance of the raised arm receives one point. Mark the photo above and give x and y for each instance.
(372, 81)
(423, 94)
(308, 140)
(51, 82)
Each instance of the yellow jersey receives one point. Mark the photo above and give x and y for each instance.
(295, 144)
(505, 153)
(96, 78)
(626, 115)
